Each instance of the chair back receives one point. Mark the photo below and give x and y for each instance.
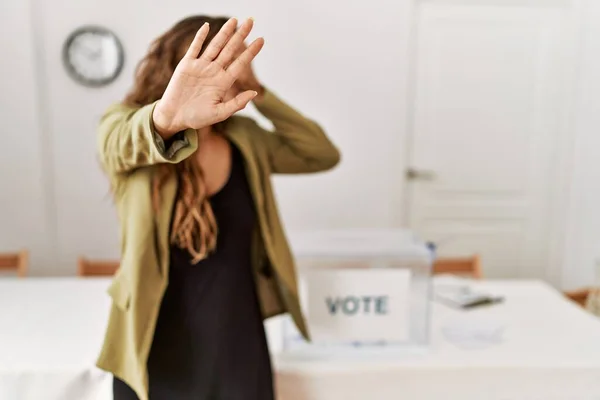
(95, 268)
(17, 262)
(579, 296)
(464, 266)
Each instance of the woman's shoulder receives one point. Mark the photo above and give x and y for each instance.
(122, 106)
(121, 109)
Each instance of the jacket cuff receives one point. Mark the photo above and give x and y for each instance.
(170, 149)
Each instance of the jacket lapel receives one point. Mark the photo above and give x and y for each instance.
(163, 221)
(237, 137)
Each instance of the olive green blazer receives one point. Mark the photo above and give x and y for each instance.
(129, 150)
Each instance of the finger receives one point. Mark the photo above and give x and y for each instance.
(231, 48)
(245, 59)
(198, 41)
(239, 102)
(219, 41)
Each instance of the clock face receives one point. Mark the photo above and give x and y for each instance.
(93, 56)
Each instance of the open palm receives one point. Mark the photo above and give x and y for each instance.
(195, 95)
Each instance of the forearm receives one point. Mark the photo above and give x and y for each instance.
(128, 140)
(298, 143)
(292, 126)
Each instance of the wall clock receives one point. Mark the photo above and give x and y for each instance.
(93, 56)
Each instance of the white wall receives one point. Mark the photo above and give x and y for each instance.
(582, 263)
(24, 205)
(345, 68)
(343, 64)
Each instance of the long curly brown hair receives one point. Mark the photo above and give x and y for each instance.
(194, 227)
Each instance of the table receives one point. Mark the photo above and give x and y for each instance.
(550, 349)
(51, 331)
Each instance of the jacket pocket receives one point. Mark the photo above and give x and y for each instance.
(120, 293)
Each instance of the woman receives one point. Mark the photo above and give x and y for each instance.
(204, 256)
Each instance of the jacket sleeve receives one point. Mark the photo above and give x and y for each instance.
(298, 145)
(127, 140)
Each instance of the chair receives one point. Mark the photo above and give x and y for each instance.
(579, 296)
(17, 262)
(464, 266)
(89, 268)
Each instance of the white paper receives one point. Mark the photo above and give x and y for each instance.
(363, 305)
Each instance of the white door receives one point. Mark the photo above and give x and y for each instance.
(491, 99)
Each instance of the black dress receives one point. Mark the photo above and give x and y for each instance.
(210, 341)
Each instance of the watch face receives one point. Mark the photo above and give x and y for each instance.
(93, 56)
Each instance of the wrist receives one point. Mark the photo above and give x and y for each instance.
(163, 123)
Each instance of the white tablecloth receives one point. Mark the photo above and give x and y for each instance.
(51, 331)
(549, 349)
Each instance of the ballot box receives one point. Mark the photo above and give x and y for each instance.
(363, 292)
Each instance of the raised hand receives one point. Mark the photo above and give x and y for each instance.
(194, 97)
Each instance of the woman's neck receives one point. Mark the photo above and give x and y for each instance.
(205, 133)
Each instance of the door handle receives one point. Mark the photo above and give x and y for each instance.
(413, 174)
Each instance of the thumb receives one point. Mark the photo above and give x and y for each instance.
(239, 102)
